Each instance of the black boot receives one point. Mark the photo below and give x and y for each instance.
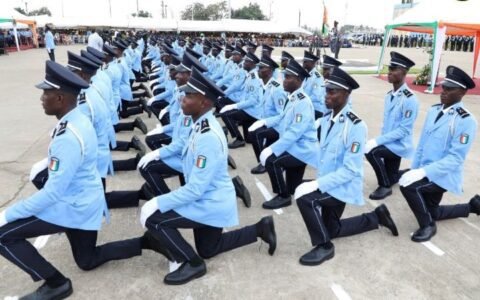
(231, 162)
(277, 202)
(45, 292)
(385, 219)
(381, 193)
(258, 169)
(425, 233)
(266, 231)
(475, 204)
(242, 191)
(236, 144)
(140, 125)
(137, 144)
(318, 255)
(185, 273)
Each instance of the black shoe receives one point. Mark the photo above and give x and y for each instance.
(146, 192)
(185, 273)
(385, 219)
(401, 172)
(317, 255)
(277, 202)
(381, 193)
(140, 125)
(150, 242)
(266, 231)
(231, 162)
(236, 144)
(258, 169)
(424, 234)
(242, 191)
(137, 144)
(45, 292)
(146, 108)
(475, 204)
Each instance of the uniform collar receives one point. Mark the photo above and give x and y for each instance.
(400, 89)
(206, 115)
(268, 82)
(293, 95)
(340, 115)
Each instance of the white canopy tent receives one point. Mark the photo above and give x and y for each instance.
(440, 18)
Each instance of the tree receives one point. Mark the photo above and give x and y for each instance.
(198, 11)
(37, 12)
(250, 12)
(142, 14)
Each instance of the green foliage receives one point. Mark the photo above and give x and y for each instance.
(250, 12)
(142, 14)
(198, 11)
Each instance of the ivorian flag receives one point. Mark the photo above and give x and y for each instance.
(325, 20)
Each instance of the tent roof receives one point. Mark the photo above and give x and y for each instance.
(460, 17)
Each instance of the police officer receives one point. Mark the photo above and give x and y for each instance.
(267, 50)
(297, 143)
(72, 200)
(248, 108)
(218, 62)
(49, 43)
(328, 64)
(339, 177)
(385, 152)
(206, 203)
(273, 101)
(314, 85)
(284, 59)
(437, 167)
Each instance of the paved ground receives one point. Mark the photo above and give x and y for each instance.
(374, 265)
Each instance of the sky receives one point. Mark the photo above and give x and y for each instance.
(374, 13)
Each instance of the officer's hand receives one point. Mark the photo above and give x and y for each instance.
(317, 122)
(370, 145)
(265, 154)
(158, 130)
(228, 107)
(3, 218)
(256, 125)
(38, 167)
(162, 113)
(148, 209)
(150, 101)
(305, 188)
(48, 50)
(154, 155)
(412, 176)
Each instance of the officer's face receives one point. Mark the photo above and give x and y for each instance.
(236, 58)
(193, 104)
(182, 78)
(264, 72)
(267, 53)
(206, 50)
(308, 65)
(336, 98)
(52, 102)
(228, 54)
(450, 96)
(215, 52)
(326, 72)
(291, 83)
(396, 74)
(284, 63)
(248, 65)
(173, 74)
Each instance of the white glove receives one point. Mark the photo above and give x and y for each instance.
(317, 122)
(265, 154)
(412, 176)
(3, 218)
(228, 107)
(38, 167)
(157, 130)
(163, 112)
(370, 145)
(48, 50)
(148, 209)
(150, 101)
(256, 125)
(305, 188)
(154, 155)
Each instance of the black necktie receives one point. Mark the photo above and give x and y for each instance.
(330, 128)
(391, 97)
(440, 114)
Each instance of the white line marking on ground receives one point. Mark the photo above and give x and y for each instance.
(266, 194)
(469, 223)
(373, 203)
(41, 241)
(173, 266)
(430, 246)
(340, 292)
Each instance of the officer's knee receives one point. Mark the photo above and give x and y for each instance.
(206, 252)
(84, 263)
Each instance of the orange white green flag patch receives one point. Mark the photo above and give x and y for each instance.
(355, 147)
(464, 138)
(54, 164)
(201, 162)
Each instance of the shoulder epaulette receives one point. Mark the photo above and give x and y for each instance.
(353, 117)
(252, 75)
(300, 96)
(407, 93)
(462, 112)
(82, 98)
(61, 128)
(317, 74)
(204, 127)
(275, 83)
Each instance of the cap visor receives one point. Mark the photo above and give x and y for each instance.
(44, 86)
(188, 89)
(181, 68)
(450, 84)
(333, 86)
